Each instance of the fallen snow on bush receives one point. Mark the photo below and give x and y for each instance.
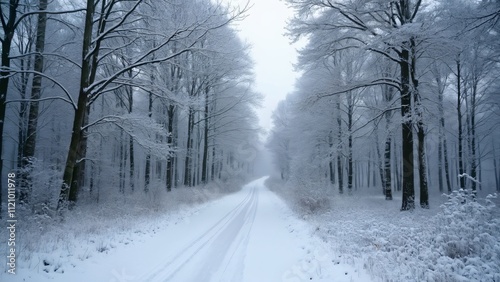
(458, 239)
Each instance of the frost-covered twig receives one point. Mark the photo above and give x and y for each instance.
(469, 177)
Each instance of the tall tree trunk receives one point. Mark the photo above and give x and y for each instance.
(8, 34)
(147, 172)
(79, 168)
(460, 133)
(121, 160)
(387, 168)
(422, 164)
(204, 165)
(408, 199)
(92, 177)
(472, 135)
(368, 169)
(131, 139)
(379, 161)
(214, 161)
(79, 175)
(80, 112)
(36, 90)
(330, 160)
(397, 172)
(170, 138)
(496, 169)
(424, 192)
(189, 145)
(23, 111)
(480, 167)
(442, 143)
(446, 165)
(340, 174)
(387, 182)
(440, 160)
(350, 112)
(175, 158)
(196, 164)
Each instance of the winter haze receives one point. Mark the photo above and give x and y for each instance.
(257, 141)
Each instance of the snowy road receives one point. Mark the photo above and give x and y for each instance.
(241, 238)
(247, 236)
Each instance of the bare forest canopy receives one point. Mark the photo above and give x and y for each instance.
(399, 95)
(111, 97)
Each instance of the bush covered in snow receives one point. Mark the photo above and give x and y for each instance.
(467, 238)
(457, 240)
(460, 243)
(303, 197)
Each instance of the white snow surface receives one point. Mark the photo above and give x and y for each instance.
(250, 236)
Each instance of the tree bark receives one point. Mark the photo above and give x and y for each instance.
(36, 90)
(189, 145)
(397, 173)
(443, 147)
(460, 132)
(147, 172)
(330, 161)
(472, 134)
(25, 63)
(387, 168)
(170, 160)
(496, 169)
(340, 175)
(204, 165)
(387, 175)
(408, 199)
(131, 139)
(23, 111)
(350, 112)
(8, 34)
(422, 164)
(121, 160)
(80, 112)
(368, 169)
(380, 161)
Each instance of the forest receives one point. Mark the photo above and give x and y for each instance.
(401, 95)
(134, 95)
(130, 145)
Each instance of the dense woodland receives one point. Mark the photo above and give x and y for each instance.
(400, 95)
(105, 98)
(108, 97)
(120, 118)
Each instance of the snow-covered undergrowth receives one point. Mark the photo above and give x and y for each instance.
(49, 243)
(458, 239)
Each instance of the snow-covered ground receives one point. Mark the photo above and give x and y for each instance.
(289, 234)
(250, 235)
(457, 239)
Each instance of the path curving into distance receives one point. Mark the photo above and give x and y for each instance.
(248, 236)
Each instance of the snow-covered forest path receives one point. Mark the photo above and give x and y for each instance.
(250, 235)
(240, 238)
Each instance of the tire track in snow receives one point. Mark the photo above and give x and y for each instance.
(224, 243)
(231, 267)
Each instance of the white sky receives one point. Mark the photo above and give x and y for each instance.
(272, 52)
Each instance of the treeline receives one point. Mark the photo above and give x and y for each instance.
(401, 95)
(111, 97)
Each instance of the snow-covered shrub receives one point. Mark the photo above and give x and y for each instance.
(468, 236)
(460, 243)
(305, 198)
(45, 183)
(455, 240)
